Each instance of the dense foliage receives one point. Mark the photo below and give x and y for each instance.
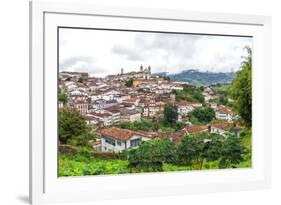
(170, 114)
(149, 125)
(151, 155)
(241, 90)
(201, 115)
(130, 82)
(190, 93)
(197, 148)
(62, 97)
(73, 128)
(197, 151)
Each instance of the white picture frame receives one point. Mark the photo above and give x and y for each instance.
(46, 187)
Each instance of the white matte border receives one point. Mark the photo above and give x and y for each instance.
(46, 187)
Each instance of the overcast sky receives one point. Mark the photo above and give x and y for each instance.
(102, 52)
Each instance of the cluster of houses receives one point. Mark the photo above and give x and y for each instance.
(108, 101)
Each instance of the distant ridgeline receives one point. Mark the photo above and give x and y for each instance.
(196, 77)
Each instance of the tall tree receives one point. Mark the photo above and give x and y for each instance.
(130, 82)
(170, 114)
(202, 115)
(232, 152)
(241, 89)
(62, 97)
(73, 128)
(151, 155)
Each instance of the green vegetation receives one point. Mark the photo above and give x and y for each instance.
(201, 115)
(62, 97)
(149, 125)
(190, 93)
(194, 153)
(73, 128)
(130, 82)
(241, 90)
(151, 155)
(170, 114)
(194, 150)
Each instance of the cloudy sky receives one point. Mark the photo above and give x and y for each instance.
(102, 52)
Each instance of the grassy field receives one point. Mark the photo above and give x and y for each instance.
(83, 166)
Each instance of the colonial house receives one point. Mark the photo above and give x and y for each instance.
(224, 127)
(115, 112)
(190, 129)
(149, 110)
(121, 97)
(130, 115)
(110, 103)
(105, 119)
(78, 92)
(98, 104)
(184, 107)
(81, 106)
(91, 119)
(116, 139)
(132, 101)
(224, 113)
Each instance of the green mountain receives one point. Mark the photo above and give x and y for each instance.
(200, 78)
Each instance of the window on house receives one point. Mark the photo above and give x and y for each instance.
(110, 141)
(135, 142)
(119, 143)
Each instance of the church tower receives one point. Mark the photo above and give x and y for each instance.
(141, 68)
(122, 71)
(149, 69)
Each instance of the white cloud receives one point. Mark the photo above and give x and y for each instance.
(103, 52)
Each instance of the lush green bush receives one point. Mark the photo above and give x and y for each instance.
(62, 97)
(170, 114)
(201, 115)
(149, 125)
(241, 90)
(190, 93)
(198, 148)
(151, 155)
(73, 128)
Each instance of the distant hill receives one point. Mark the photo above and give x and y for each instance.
(196, 77)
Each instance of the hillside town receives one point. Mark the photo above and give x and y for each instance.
(129, 97)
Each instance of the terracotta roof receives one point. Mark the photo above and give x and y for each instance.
(223, 109)
(118, 133)
(222, 125)
(226, 126)
(195, 128)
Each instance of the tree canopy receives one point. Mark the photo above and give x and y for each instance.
(151, 155)
(73, 128)
(241, 90)
(170, 114)
(202, 115)
(130, 82)
(62, 97)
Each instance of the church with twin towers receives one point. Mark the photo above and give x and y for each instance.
(143, 73)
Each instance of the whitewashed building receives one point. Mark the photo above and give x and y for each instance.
(116, 139)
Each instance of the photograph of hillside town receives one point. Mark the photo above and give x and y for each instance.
(138, 102)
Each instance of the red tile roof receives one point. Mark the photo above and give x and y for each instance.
(223, 109)
(195, 128)
(222, 125)
(118, 133)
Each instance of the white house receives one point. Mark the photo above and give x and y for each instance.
(224, 113)
(224, 127)
(185, 107)
(128, 115)
(220, 127)
(116, 139)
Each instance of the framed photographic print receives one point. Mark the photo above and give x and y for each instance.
(130, 102)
